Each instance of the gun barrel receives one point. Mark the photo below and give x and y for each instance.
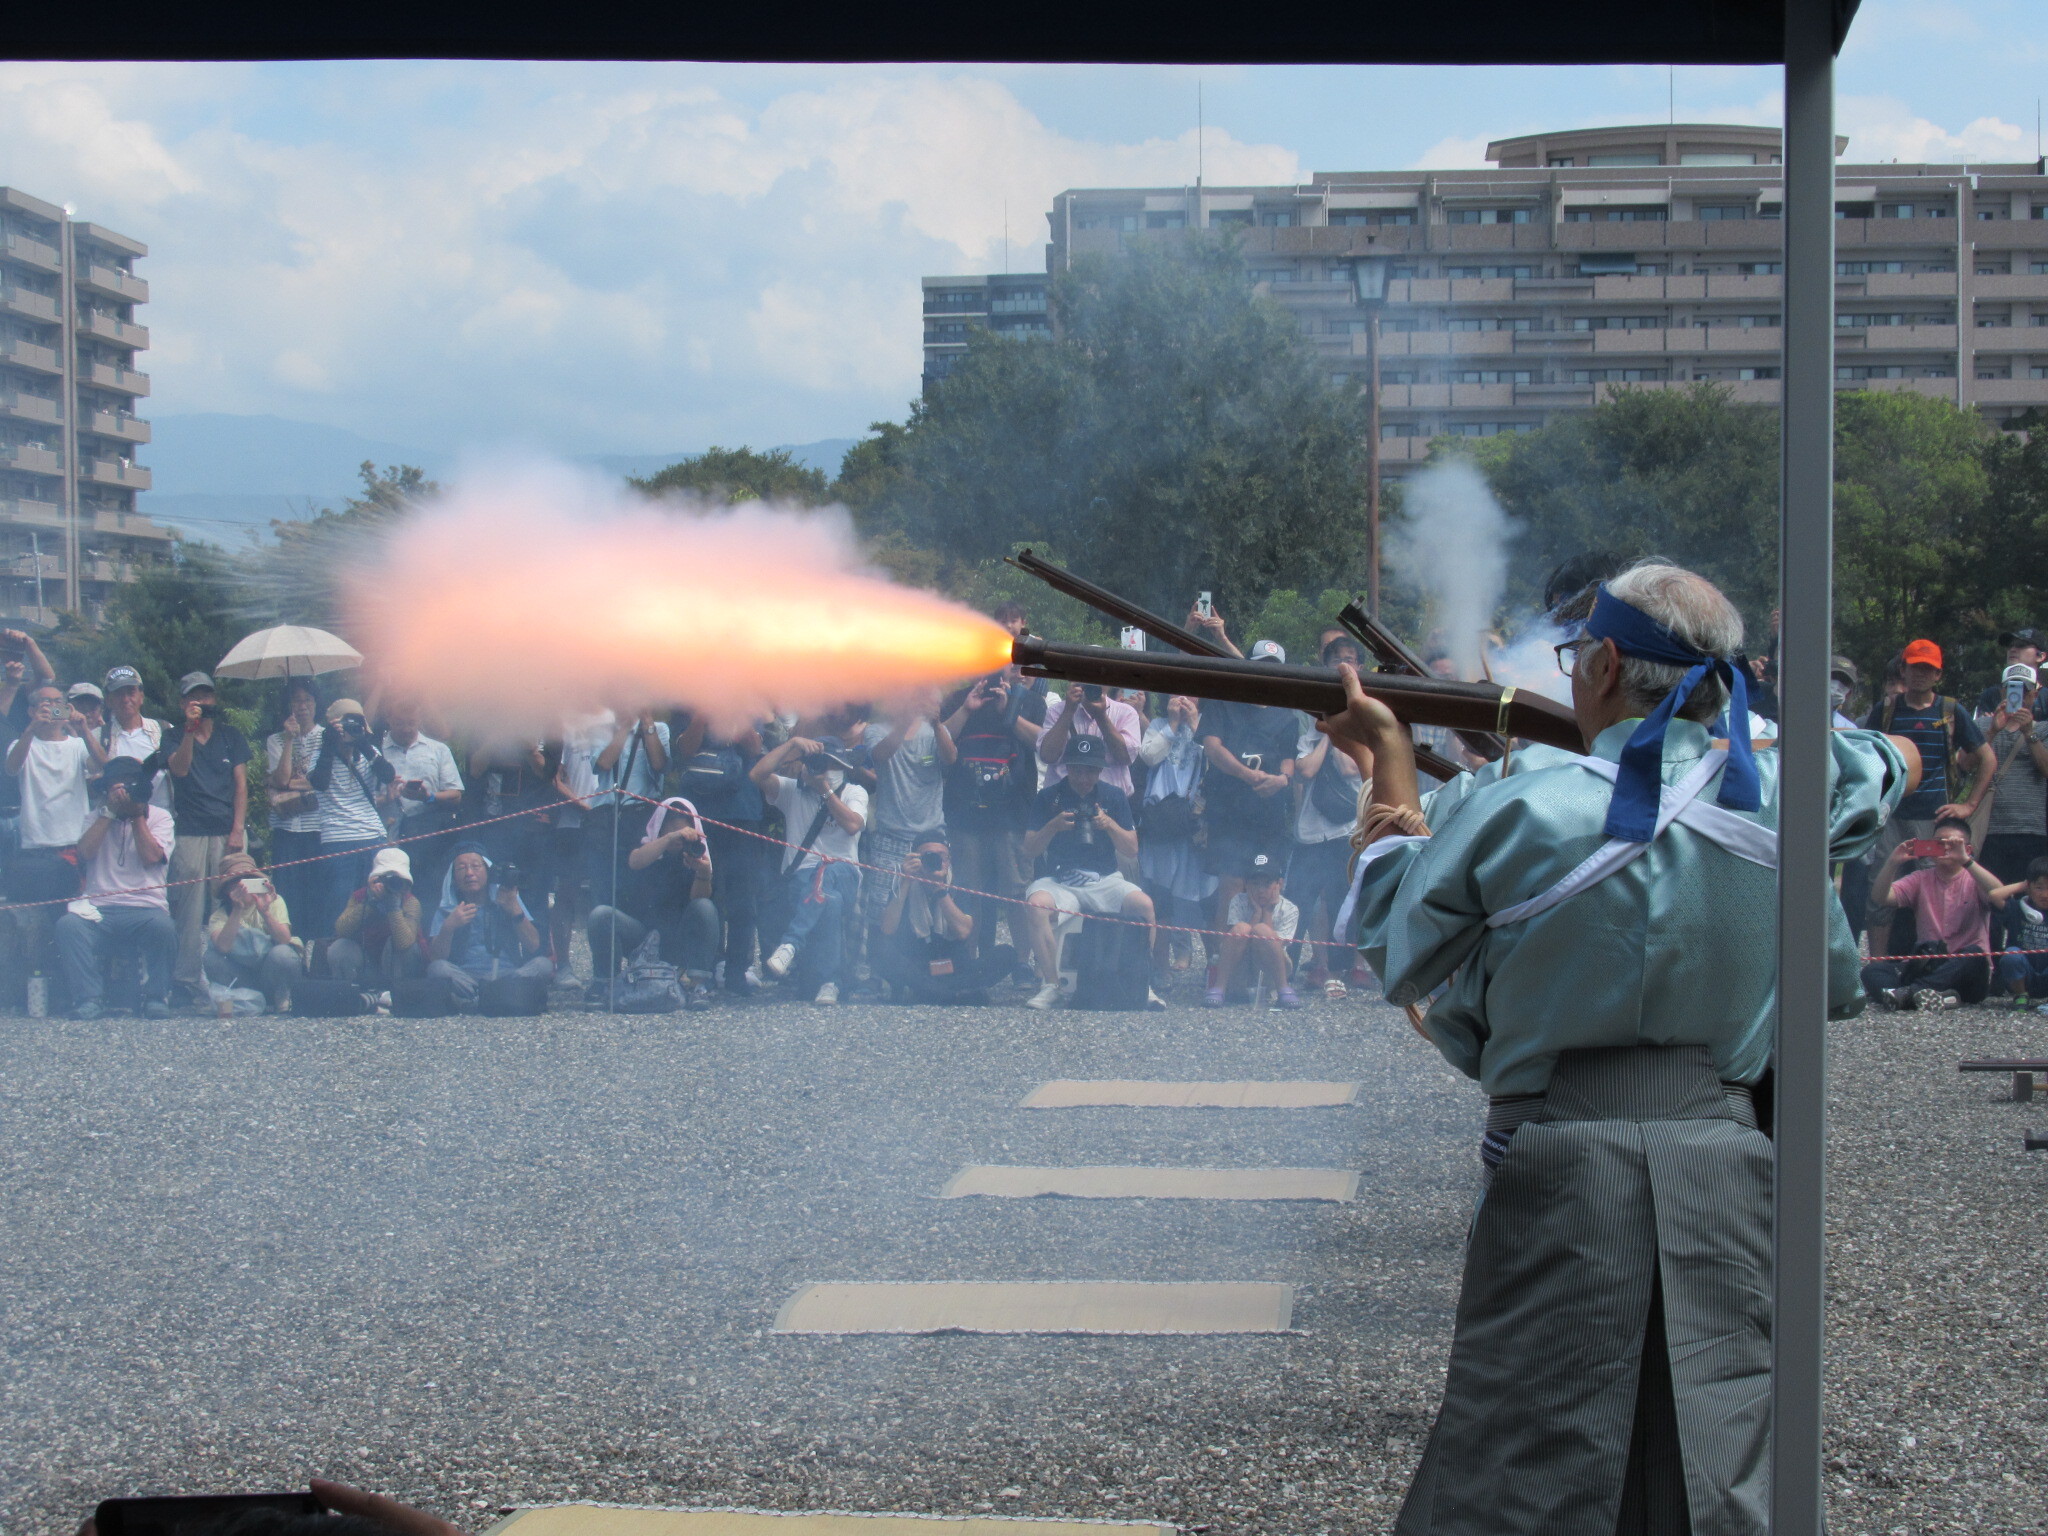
(1316, 690)
(1122, 609)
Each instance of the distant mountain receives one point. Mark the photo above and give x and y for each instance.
(216, 474)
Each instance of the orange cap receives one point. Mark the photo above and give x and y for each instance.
(1923, 651)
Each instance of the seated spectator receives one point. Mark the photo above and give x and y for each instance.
(1169, 864)
(249, 941)
(1952, 902)
(824, 813)
(1080, 828)
(2023, 967)
(482, 931)
(666, 890)
(379, 938)
(713, 770)
(1262, 923)
(925, 945)
(127, 853)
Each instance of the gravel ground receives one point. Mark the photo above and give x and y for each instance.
(481, 1263)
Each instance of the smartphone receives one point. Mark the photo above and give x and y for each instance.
(1204, 606)
(1923, 848)
(170, 1516)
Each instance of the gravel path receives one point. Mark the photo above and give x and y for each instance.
(480, 1263)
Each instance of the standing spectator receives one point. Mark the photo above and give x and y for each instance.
(634, 760)
(209, 764)
(348, 774)
(126, 851)
(1250, 749)
(1337, 646)
(995, 726)
(1952, 900)
(379, 936)
(1087, 710)
(508, 776)
(1318, 878)
(91, 704)
(1014, 619)
(424, 795)
(666, 890)
(53, 760)
(289, 755)
(482, 931)
(2016, 832)
(250, 943)
(2022, 648)
(584, 736)
(1843, 680)
(1169, 865)
(713, 770)
(127, 732)
(824, 813)
(1081, 829)
(912, 755)
(924, 944)
(1261, 924)
(21, 655)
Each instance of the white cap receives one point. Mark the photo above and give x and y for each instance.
(1269, 650)
(392, 861)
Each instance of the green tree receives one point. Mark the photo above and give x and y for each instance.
(1177, 434)
(1291, 618)
(739, 474)
(299, 580)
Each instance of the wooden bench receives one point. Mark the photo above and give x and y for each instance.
(2022, 1069)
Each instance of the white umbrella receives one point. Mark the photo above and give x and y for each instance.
(288, 650)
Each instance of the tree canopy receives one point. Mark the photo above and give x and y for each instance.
(740, 474)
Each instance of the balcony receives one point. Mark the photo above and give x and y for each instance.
(1403, 450)
(1735, 285)
(1741, 391)
(128, 429)
(1484, 290)
(34, 408)
(1482, 343)
(1766, 339)
(27, 565)
(29, 460)
(95, 322)
(29, 305)
(128, 525)
(114, 282)
(2007, 338)
(2005, 391)
(1898, 338)
(113, 472)
(1939, 389)
(111, 376)
(26, 354)
(1909, 285)
(30, 253)
(2018, 285)
(24, 510)
(1553, 396)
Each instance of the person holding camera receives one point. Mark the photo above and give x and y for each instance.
(250, 941)
(289, 754)
(825, 812)
(2016, 830)
(348, 774)
(54, 760)
(1169, 864)
(924, 943)
(666, 889)
(482, 930)
(126, 852)
(1082, 827)
(1249, 790)
(209, 772)
(995, 726)
(424, 796)
(1088, 711)
(379, 937)
(912, 753)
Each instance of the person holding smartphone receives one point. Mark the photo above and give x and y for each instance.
(1952, 902)
(209, 772)
(249, 941)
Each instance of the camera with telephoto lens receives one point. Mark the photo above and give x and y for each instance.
(508, 877)
(2020, 680)
(823, 762)
(1084, 818)
(354, 725)
(1091, 693)
(209, 711)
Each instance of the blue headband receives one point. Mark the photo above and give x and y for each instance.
(1632, 813)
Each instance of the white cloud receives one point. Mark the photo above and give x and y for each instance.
(1456, 154)
(1881, 128)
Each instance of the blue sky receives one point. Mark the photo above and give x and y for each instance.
(586, 258)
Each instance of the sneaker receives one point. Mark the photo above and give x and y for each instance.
(1898, 999)
(1213, 998)
(1288, 998)
(1046, 996)
(828, 994)
(750, 982)
(1335, 990)
(162, 1010)
(697, 1000)
(86, 1012)
(1154, 1003)
(777, 965)
(1927, 1000)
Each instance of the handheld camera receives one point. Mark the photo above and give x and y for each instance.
(2020, 680)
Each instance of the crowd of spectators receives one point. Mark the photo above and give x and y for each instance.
(935, 849)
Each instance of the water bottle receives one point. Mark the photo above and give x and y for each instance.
(38, 996)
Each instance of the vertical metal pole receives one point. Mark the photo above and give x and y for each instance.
(1372, 461)
(1805, 585)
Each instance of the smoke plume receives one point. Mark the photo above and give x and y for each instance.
(1452, 546)
(516, 596)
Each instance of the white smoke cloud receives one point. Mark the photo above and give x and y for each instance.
(1452, 545)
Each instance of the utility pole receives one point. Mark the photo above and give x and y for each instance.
(1372, 460)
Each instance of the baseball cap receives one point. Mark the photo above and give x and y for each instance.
(392, 861)
(1263, 866)
(123, 677)
(1268, 650)
(2023, 637)
(1085, 752)
(86, 691)
(1845, 669)
(193, 680)
(1925, 652)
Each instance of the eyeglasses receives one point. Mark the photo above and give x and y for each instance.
(1568, 656)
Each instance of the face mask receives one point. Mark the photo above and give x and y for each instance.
(1838, 692)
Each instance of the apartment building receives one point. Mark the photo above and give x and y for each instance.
(1010, 305)
(1635, 256)
(69, 388)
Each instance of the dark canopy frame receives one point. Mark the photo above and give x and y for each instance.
(1802, 35)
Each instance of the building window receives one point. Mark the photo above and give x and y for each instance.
(1561, 160)
(1750, 375)
(1397, 429)
(1402, 327)
(1895, 210)
(1025, 301)
(2037, 267)
(1986, 215)
(1271, 274)
(1394, 274)
(1647, 214)
(1608, 266)
(1490, 323)
(1994, 269)
(1713, 213)
(1349, 327)
(1372, 215)
(2038, 371)
(1122, 221)
(1405, 377)
(1720, 157)
(1491, 376)
(1861, 268)
(1618, 323)
(1635, 159)
(1166, 221)
(948, 330)
(1853, 372)
(1489, 215)
(1222, 218)
(1485, 272)
(1617, 375)
(1487, 428)
(1994, 373)
(1859, 322)
(1855, 210)
(1276, 218)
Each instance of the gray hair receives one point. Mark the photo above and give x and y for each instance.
(1694, 610)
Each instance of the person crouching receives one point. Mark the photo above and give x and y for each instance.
(926, 951)
(482, 930)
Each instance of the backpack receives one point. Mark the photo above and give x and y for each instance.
(987, 765)
(1112, 967)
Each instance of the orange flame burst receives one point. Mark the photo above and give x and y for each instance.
(509, 601)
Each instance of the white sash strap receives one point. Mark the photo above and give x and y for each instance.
(1678, 803)
(1340, 928)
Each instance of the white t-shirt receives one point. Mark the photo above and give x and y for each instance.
(116, 876)
(348, 813)
(583, 737)
(800, 807)
(54, 796)
(1286, 915)
(427, 760)
(147, 736)
(304, 754)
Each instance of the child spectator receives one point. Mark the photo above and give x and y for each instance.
(2023, 967)
(1262, 923)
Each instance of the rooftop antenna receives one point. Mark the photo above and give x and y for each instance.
(1006, 234)
(1671, 93)
(1198, 135)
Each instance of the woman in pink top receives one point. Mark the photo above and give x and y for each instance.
(1951, 901)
